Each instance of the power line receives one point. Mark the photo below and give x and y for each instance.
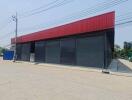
(122, 23)
(6, 35)
(6, 46)
(125, 15)
(51, 7)
(123, 19)
(92, 10)
(59, 4)
(117, 24)
(101, 5)
(108, 4)
(6, 23)
(44, 6)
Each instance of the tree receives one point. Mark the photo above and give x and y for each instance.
(1, 50)
(117, 50)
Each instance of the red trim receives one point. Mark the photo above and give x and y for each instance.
(100, 22)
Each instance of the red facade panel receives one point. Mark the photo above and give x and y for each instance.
(101, 22)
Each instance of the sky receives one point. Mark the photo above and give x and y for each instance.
(57, 16)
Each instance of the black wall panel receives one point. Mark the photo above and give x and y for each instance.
(52, 51)
(109, 46)
(40, 51)
(90, 51)
(68, 51)
(32, 50)
(26, 52)
(19, 51)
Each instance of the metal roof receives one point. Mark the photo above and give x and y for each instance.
(96, 23)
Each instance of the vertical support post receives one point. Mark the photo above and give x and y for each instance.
(104, 70)
(105, 51)
(16, 30)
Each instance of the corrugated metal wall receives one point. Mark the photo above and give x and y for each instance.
(89, 49)
(68, 51)
(52, 53)
(19, 51)
(40, 51)
(109, 46)
(25, 56)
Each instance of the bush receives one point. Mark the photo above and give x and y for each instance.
(1, 51)
(130, 59)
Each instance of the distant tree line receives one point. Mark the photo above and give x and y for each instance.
(125, 53)
(1, 51)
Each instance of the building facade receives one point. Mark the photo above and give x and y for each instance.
(88, 42)
(127, 45)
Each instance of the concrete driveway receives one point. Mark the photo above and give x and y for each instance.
(23, 81)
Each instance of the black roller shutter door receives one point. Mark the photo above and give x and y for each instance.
(19, 51)
(40, 51)
(68, 51)
(90, 51)
(26, 52)
(52, 51)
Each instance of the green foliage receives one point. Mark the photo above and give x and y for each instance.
(1, 50)
(125, 53)
(117, 51)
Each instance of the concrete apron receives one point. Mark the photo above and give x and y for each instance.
(80, 68)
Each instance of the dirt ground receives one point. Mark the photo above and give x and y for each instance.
(24, 81)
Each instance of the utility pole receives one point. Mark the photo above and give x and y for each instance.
(15, 19)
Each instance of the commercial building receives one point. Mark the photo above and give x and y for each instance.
(88, 42)
(127, 45)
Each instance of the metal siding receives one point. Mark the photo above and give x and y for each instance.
(90, 51)
(25, 52)
(40, 51)
(109, 46)
(86, 49)
(19, 51)
(96, 23)
(68, 51)
(52, 54)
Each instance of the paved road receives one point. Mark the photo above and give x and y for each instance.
(23, 81)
